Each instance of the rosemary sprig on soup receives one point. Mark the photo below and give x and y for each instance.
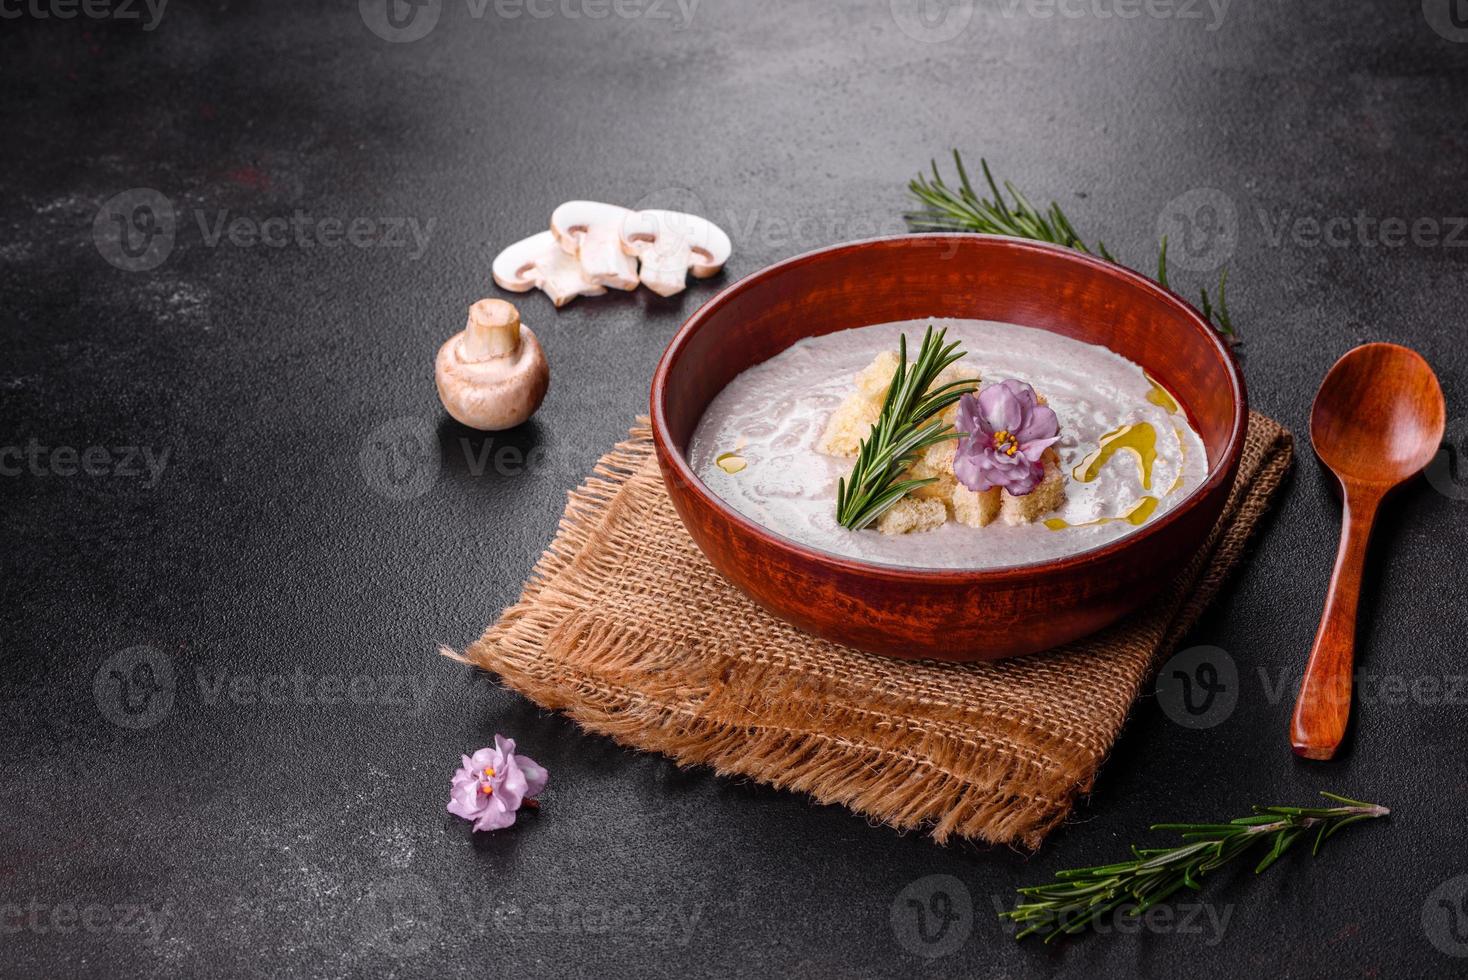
(997, 445)
(905, 429)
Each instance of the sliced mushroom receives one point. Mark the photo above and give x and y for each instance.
(670, 244)
(591, 231)
(493, 375)
(540, 262)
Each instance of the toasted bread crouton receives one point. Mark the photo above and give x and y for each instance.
(909, 515)
(848, 426)
(975, 509)
(853, 418)
(1048, 496)
(936, 464)
(874, 380)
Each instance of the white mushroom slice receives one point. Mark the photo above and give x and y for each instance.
(591, 231)
(539, 261)
(670, 244)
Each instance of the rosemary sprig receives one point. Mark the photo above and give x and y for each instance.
(904, 429)
(1079, 897)
(963, 209)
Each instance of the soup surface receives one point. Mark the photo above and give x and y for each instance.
(1126, 448)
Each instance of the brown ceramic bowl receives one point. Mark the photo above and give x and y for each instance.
(948, 614)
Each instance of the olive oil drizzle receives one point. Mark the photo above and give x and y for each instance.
(730, 462)
(1138, 440)
(1136, 517)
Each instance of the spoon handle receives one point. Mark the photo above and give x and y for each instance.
(1324, 705)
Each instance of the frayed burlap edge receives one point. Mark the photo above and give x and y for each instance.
(908, 768)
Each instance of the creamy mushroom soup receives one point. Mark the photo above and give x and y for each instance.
(1126, 449)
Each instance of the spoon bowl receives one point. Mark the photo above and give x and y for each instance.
(1379, 415)
(1378, 419)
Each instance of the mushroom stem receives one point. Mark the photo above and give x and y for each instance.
(493, 330)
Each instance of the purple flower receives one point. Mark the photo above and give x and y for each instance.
(493, 784)
(1003, 432)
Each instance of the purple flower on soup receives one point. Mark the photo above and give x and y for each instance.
(1003, 432)
(493, 783)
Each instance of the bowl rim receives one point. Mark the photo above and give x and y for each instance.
(1222, 468)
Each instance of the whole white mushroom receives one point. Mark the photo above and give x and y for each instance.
(493, 375)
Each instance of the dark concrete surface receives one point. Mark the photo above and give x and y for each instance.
(260, 787)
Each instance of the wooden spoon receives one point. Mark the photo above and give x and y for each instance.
(1378, 419)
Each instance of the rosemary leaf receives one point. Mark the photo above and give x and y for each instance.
(906, 427)
(1080, 896)
(948, 209)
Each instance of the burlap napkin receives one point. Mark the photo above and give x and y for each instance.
(626, 628)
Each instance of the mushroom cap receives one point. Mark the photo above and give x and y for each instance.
(667, 232)
(540, 261)
(578, 217)
(591, 231)
(494, 393)
(513, 267)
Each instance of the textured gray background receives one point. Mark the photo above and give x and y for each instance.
(265, 831)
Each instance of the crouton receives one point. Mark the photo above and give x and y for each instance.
(975, 509)
(1048, 496)
(848, 426)
(911, 515)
